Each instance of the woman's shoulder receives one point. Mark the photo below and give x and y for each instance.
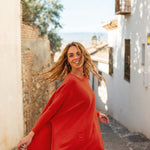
(68, 83)
(72, 82)
(69, 79)
(73, 79)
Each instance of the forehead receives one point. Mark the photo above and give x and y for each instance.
(73, 49)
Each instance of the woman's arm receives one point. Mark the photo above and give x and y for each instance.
(62, 94)
(23, 143)
(102, 117)
(49, 111)
(98, 113)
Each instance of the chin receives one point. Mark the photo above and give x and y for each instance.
(77, 67)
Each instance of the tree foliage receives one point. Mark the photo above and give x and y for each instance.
(45, 14)
(94, 37)
(55, 41)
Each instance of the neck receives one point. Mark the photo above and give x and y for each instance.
(78, 72)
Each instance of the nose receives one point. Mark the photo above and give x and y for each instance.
(76, 56)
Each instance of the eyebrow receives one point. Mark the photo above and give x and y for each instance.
(76, 52)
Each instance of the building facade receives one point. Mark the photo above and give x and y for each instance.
(23, 55)
(128, 88)
(11, 103)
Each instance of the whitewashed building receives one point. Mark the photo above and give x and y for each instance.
(100, 57)
(11, 103)
(128, 87)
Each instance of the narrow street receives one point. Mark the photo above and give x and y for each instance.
(117, 137)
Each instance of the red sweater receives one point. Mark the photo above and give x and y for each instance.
(69, 120)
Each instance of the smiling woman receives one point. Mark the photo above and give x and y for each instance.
(76, 60)
(64, 67)
(72, 104)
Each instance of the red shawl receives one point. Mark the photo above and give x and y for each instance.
(69, 120)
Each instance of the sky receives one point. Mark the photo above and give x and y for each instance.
(86, 15)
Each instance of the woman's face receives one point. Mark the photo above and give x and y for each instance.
(74, 56)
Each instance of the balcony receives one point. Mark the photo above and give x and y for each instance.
(122, 7)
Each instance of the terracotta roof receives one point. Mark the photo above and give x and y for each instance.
(100, 53)
(110, 25)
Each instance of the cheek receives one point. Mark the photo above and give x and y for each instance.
(82, 59)
(69, 60)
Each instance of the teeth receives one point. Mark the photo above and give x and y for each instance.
(76, 62)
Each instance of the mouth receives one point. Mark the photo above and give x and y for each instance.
(76, 62)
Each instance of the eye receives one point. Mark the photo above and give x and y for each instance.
(70, 55)
(78, 53)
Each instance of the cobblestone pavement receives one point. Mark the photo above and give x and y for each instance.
(117, 137)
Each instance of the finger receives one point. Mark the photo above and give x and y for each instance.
(19, 148)
(107, 120)
(22, 148)
(104, 120)
(19, 144)
(25, 145)
(103, 117)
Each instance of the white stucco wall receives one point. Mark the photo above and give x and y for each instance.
(129, 102)
(11, 114)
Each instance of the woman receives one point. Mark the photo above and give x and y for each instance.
(69, 121)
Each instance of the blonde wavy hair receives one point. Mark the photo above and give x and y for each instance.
(62, 67)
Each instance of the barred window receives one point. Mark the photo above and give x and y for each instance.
(111, 61)
(143, 55)
(127, 60)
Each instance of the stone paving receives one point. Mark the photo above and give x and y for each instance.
(117, 137)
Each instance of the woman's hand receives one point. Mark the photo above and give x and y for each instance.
(103, 118)
(23, 143)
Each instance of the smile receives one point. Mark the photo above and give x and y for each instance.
(76, 62)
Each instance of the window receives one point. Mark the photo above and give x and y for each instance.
(99, 72)
(127, 60)
(143, 55)
(111, 61)
(93, 82)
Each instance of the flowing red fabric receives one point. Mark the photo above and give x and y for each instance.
(69, 121)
